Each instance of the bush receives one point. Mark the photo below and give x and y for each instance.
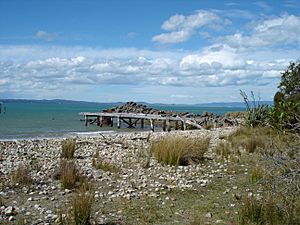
(21, 176)
(256, 114)
(69, 174)
(286, 111)
(68, 149)
(179, 150)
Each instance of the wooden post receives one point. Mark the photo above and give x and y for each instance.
(168, 125)
(86, 120)
(152, 124)
(118, 122)
(142, 123)
(111, 121)
(183, 125)
(164, 125)
(98, 120)
(101, 121)
(176, 125)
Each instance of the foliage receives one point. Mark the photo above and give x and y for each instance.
(177, 150)
(286, 111)
(257, 114)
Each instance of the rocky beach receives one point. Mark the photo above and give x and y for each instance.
(136, 175)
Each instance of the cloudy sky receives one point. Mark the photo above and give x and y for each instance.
(170, 51)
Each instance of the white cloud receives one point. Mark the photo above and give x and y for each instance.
(214, 66)
(45, 35)
(173, 37)
(180, 27)
(283, 30)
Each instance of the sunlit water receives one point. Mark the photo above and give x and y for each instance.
(46, 120)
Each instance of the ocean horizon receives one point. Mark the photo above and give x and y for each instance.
(30, 119)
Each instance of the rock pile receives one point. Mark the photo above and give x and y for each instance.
(206, 119)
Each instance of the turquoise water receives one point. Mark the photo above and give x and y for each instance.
(41, 120)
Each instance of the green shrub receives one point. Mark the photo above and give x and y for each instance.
(68, 149)
(177, 150)
(286, 111)
(256, 114)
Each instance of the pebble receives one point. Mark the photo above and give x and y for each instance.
(131, 181)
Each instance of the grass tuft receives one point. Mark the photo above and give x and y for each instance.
(68, 149)
(80, 210)
(261, 212)
(69, 174)
(99, 164)
(21, 176)
(256, 174)
(179, 150)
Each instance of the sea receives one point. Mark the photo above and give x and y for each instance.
(48, 119)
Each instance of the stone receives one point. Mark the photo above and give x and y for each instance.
(9, 210)
(209, 215)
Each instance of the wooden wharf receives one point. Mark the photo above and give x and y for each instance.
(132, 119)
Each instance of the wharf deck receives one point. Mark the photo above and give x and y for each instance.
(132, 118)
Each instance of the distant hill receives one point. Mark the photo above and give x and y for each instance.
(63, 101)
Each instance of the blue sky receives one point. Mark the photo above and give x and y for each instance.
(171, 51)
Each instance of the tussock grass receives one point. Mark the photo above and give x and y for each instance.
(21, 176)
(263, 212)
(80, 209)
(99, 164)
(235, 114)
(224, 150)
(68, 149)
(256, 174)
(251, 139)
(69, 174)
(177, 150)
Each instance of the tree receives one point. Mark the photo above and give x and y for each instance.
(286, 111)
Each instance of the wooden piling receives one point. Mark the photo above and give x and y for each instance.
(142, 123)
(152, 124)
(118, 122)
(168, 125)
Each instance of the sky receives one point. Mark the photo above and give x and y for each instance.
(166, 51)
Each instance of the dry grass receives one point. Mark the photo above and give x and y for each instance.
(69, 174)
(223, 149)
(68, 149)
(21, 176)
(263, 212)
(179, 150)
(99, 164)
(251, 139)
(80, 209)
(235, 114)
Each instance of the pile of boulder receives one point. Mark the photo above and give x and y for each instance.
(205, 119)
